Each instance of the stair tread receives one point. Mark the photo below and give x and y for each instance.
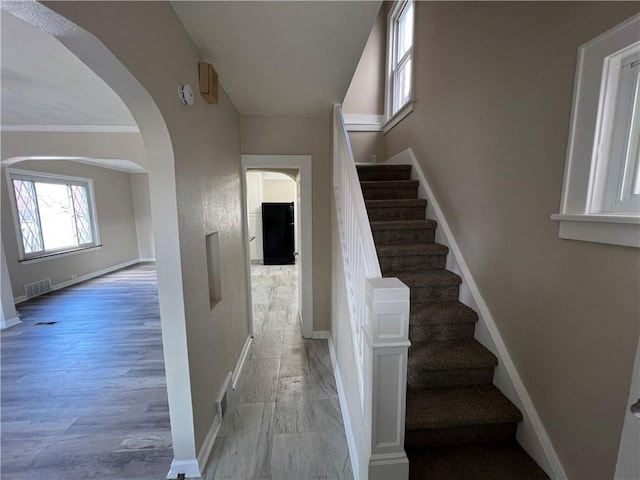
(461, 406)
(442, 312)
(452, 354)
(389, 183)
(492, 461)
(383, 166)
(396, 202)
(427, 278)
(411, 249)
(403, 225)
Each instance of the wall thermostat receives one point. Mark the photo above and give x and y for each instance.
(185, 95)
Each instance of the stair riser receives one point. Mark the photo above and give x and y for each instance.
(434, 294)
(395, 213)
(404, 237)
(423, 378)
(377, 193)
(412, 263)
(441, 333)
(375, 176)
(490, 433)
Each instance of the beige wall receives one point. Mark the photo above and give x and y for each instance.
(116, 222)
(366, 91)
(263, 135)
(364, 144)
(142, 212)
(494, 86)
(205, 144)
(128, 146)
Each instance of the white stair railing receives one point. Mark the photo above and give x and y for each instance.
(379, 317)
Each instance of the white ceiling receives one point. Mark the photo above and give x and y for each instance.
(281, 58)
(44, 85)
(273, 58)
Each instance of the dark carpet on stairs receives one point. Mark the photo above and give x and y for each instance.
(458, 424)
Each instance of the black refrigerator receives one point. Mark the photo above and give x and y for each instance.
(278, 243)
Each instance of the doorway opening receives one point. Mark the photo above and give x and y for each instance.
(285, 179)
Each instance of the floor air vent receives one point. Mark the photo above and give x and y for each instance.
(37, 288)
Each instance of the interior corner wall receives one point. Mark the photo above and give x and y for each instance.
(366, 91)
(116, 223)
(493, 88)
(142, 212)
(205, 140)
(266, 135)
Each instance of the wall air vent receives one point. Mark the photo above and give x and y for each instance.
(37, 288)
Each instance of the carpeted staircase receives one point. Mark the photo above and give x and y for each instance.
(458, 424)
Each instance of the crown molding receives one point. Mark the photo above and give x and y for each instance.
(71, 128)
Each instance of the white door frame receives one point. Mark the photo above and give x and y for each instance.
(305, 283)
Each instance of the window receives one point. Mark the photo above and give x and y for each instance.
(601, 193)
(53, 214)
(400, 60)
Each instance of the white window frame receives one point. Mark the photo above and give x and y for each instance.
(13, 173)
(394, 115)
(583, 211)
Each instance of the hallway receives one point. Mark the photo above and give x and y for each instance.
(285, 420)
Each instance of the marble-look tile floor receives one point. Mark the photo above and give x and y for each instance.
(284, 421)
(85, 397)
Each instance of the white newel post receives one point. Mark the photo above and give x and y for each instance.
(385, 365)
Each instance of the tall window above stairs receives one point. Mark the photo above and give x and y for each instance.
(400, 40)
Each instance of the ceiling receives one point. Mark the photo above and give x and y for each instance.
(281, 58)
(291, 58)
(44, 85)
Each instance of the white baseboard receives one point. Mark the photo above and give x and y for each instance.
(243, 356)
(188, 467)
(147, 259)
(83, 278)
(207, 445)
(4, 324)
(532, 435)
(348, 428)
(321, 334)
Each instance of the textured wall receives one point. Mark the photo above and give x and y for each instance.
(494, 85)
(205, 145)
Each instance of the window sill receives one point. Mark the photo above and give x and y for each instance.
(621, 230)
(52, 255)
(399, 115)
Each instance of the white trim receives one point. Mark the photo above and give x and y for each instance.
(305, 284)
(83, 278)
(4, 324)
(399, 115)
(207, 446)
(346, 420)
(189, 467)
(44, 177)
(363, 122)
(532, 435)
(321, 334)
(147, 259)
(602, 230)
(241, 360)
(585, 145)
(71, 128)
(52, 255)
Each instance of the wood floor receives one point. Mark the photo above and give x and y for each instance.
(83, 384)
(286, 422)
(84, 390)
